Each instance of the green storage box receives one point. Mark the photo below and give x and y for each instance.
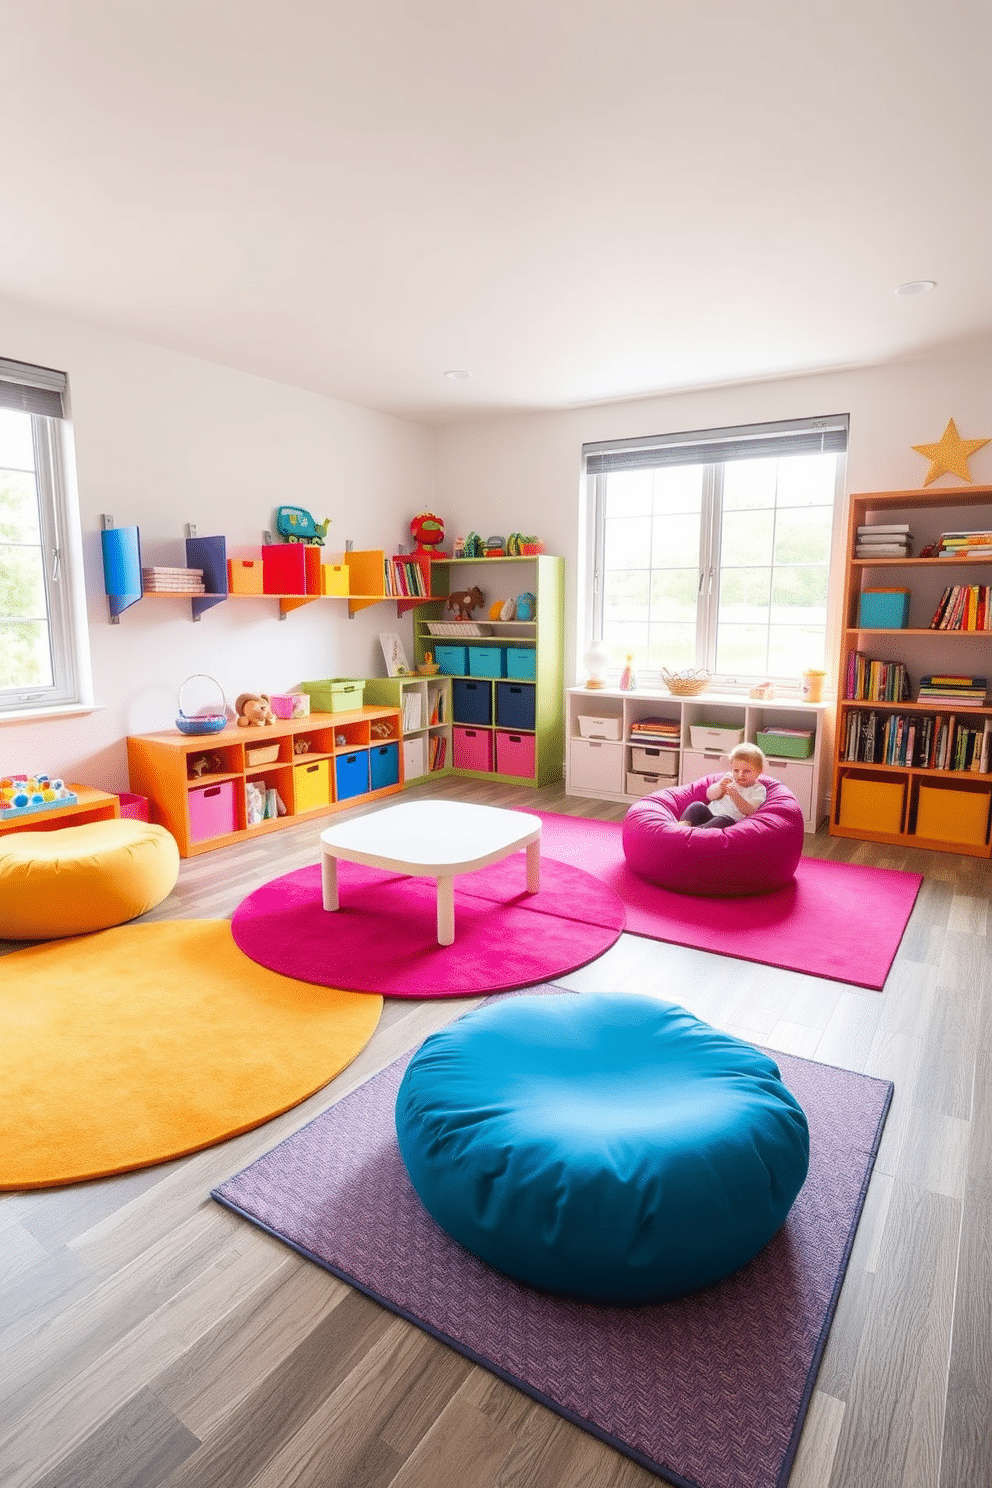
(786, 746)
(334, 694)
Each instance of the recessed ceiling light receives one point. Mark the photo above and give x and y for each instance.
(457, 374)
(917, 286)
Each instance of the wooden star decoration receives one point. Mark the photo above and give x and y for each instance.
(951, 455)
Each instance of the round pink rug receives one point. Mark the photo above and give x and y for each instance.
(384, 936)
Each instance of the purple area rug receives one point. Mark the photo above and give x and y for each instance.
(384, 936)
(709, 1392)
(836, 920)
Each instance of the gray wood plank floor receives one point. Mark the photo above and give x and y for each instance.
(150, 1338)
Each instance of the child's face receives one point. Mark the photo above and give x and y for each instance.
(745, 774)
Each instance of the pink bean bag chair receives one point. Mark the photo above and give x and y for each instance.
(753, 856)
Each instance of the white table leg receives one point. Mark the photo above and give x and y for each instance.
(534, 867)
(446, 911)
(329, 880)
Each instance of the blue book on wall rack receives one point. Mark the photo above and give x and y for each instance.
(121, 567)
(210, 554)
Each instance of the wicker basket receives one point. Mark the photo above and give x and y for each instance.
(209, 722)
(428, 669)
(685, 684)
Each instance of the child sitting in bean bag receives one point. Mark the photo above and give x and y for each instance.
(735, 796)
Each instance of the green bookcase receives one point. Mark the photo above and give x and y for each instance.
(534, 748)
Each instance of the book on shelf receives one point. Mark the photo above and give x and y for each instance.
(878, 529)
(967, 692)
(976, 543)
(963, 607)
(913, 741)
(875, 681)
(664, 731)
(881, 550)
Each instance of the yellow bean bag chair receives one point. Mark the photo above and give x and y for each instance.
(83, 878)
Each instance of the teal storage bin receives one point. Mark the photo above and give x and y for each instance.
(487, 661)
(521, 662)
(884, 609)
(452, 660)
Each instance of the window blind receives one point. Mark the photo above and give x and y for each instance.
(710, 446)
(32, 389)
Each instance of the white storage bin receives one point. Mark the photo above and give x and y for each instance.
(695, 765)
(655, 761)
(798, 776)
(595, 765)
(714, 736)
(414, 760)
(640, 784)
(598, 728)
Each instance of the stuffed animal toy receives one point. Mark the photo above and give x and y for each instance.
(464, 601)
(253, 710)
(427, 530)
(526, 606)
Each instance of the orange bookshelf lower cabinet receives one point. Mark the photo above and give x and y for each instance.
(954, 814)
(868, 804)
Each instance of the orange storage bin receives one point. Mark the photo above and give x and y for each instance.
(872, 805)
(244, 575)
(953, 815)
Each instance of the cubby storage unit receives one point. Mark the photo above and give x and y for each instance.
(196, 783)
(506, 676)
(610, 757)
(904, 769)
(424, 704)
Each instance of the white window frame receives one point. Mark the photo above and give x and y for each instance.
(39, 393)
(719, 446)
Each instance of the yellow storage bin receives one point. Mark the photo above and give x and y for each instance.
(311, 784)
(334, 578)
(872, 805)
(244, 575)
(953, 815)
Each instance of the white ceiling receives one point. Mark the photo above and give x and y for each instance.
(575, 200)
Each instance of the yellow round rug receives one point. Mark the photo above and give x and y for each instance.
(146, 1042)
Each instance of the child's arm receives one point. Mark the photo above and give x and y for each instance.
(744, 806)
(718, 788)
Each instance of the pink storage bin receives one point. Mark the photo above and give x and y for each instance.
(472, 749)
(290, 704)
(212, 811)
(135, 807)
(515, 754)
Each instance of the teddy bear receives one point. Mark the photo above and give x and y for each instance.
(253, 709)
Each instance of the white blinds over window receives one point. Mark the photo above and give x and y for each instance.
(709, 446)
(32, 389)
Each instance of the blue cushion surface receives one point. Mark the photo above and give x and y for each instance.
(607, 1147)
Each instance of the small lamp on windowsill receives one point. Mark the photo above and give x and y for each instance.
(597, 664)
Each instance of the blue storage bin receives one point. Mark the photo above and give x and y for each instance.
(384, 762)
(452, 660)
(521, 661)
(515, 705)
(884, 609)
(351, 774)
(487, 661)
(472, 702)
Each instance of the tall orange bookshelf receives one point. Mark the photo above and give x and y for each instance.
(887, 784)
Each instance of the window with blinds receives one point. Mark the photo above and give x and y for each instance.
(37, 650)
(711, 549)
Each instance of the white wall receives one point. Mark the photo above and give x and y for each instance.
(162, 440)
(523, 473)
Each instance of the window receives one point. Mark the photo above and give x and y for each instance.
(712, 549)
(37, 653)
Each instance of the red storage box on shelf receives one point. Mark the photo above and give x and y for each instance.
(291, 568)
(135, 807)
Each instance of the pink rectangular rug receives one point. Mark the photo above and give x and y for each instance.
(836, 920)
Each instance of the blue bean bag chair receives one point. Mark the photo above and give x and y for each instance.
(611, 1148)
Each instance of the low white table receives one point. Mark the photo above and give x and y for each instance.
(431, 839)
